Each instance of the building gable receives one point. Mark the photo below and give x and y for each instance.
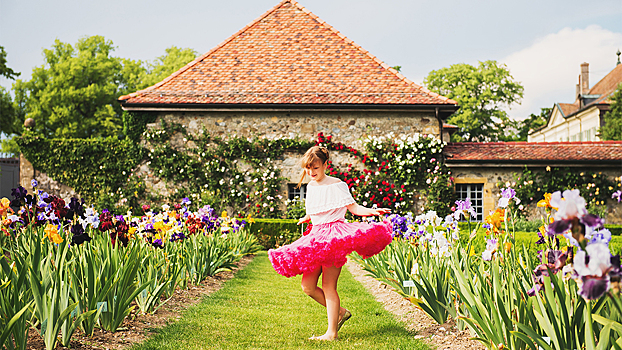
(557, 116)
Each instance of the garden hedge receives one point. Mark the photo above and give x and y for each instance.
(272, 233)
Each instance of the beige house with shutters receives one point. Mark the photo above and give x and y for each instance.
(580, 121)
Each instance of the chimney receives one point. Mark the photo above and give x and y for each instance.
(585, 78)
(576, 95)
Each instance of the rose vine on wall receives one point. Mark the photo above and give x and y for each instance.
(235, 173)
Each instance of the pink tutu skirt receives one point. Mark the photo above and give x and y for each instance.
(329, 244)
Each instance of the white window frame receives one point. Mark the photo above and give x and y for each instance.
(292, 191)
(475, 192)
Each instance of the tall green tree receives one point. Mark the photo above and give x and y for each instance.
(8, 114)
(518, 130)
(613, 118)
(482, 92)
(165, 65)
(10, 122)
(74, 94)
(4, 70)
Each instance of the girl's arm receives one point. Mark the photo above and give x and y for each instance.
(362, 211)
(306, 218)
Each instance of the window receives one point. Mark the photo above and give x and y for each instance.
(588, 135)
(573, 138)
(294, 192)
(475, 192)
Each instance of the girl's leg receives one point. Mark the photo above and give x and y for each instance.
(332, 302)
(309, 286)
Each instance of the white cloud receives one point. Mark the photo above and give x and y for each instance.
(549, 68)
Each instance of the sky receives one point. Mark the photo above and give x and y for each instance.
(542, 43)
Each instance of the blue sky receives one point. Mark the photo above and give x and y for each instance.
(542, 42)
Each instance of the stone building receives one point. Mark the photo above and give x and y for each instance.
(290, 74)
(478, 167)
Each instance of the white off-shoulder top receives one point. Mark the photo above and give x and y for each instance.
(327, 203)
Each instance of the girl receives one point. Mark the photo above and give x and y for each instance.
(323, 250)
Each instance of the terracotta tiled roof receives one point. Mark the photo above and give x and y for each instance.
(461, 152)
(568, 108)
(287, 56)
(609, 83)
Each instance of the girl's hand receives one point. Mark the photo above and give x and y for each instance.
(307, 218)
(381, 211)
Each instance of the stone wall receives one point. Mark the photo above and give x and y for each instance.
(46, 183)
(489, 176)
(348, 127)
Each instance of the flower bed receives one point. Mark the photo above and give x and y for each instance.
(562, 295)
(65, 266)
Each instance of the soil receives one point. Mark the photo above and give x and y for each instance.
(445, 336)
(137, 327)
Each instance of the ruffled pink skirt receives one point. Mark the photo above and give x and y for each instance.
(329, 244)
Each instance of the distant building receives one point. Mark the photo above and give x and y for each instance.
(581, 120)
(477, 168)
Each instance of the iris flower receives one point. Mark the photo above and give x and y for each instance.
(51, 232)
(506, 195)
(546, 202)
(464, 207)
(595, 266)
(79, 236)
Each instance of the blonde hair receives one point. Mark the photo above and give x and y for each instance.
(315, 154)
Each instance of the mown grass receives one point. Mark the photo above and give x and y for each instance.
(260, 309)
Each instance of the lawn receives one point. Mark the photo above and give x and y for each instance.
(260, 309)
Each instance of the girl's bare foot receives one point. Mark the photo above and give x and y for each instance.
(324, 337)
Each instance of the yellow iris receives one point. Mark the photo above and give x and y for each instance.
(224, 214)
(496, 219)
(507, 246)
(51, 232)
(4, 206)
(250, 219)
(546, 202)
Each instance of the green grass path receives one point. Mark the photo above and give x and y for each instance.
(260, 309)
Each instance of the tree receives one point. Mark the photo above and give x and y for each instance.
(4, 70)
(481, 93)
(10, 122)
(8, 114)
(165, 65)
(74, 94)
(613, 118)
(518, 130)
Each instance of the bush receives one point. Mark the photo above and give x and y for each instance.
(616, 230)
(273, 233)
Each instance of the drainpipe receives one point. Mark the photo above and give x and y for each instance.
(440, 123)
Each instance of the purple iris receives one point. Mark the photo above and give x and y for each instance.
(617, 195)
(508, 193)
(157, 243)
(19, 193)
(463, 207)
(79, 236)
(34, 183)
(177, 236)
(185, 201)
(593, 221)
